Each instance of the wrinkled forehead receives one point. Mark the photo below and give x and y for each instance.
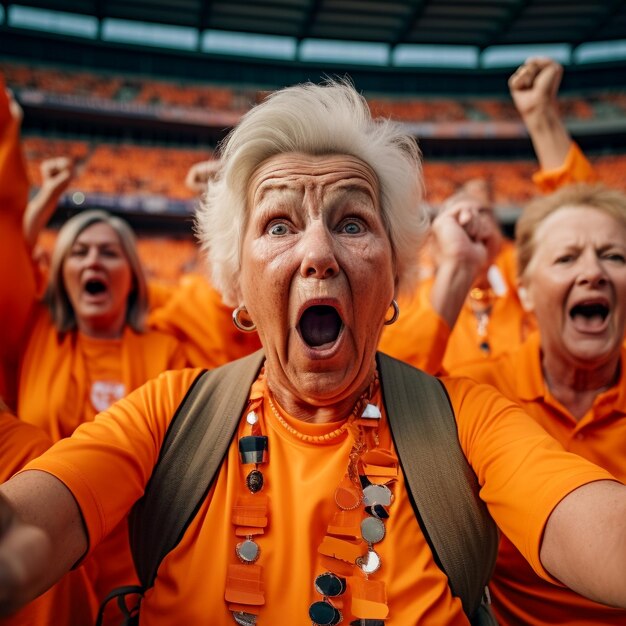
(294, 171)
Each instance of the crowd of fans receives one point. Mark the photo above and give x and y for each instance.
(91, 314)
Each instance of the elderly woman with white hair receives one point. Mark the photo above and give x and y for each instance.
(314, 514)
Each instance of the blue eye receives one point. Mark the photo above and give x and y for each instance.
(278, 229)
(352, 228)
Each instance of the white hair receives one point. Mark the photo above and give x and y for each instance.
(317, 120)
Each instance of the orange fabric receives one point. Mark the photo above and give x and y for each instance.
(66, 380)
(519, 596)
(575, 169)
(17, 287)
(71, 601)
(55, 390)
(300, 479)
(423, 339)
(196, 315)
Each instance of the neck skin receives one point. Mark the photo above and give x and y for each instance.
(576, 387)
(102, 329)
(330, 411)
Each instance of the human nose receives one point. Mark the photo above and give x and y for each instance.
(318, 257)
(592, 271)
(93, 257)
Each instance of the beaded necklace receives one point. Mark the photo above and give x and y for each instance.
(348, 548)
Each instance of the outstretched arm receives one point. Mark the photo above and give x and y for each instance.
(41, 536)
(534, 87)
(584, 544)
(56, 174)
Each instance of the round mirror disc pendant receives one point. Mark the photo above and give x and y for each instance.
(248, 551)
(377, 494)
(369, 563)
(372, 530)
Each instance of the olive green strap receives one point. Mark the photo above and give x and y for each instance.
(442, 485)
(193, 450)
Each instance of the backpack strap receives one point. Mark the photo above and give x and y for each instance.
(442, 486)
(192, 452)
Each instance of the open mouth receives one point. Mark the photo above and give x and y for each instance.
(320, 326)
(95, 287)
(590, 315)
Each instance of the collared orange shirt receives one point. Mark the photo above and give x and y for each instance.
(519, 596)
(300, 480)
(575, 169)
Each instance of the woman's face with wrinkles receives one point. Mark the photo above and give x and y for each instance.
(317, 273)
(576, 285)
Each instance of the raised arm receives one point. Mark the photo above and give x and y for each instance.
(534, 87)
(200, 174)
(462, 236)
(41, 536)
(584, 544)
(56, 174)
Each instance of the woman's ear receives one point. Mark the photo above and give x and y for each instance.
(525, 298)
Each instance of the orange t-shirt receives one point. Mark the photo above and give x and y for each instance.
(197, 317)
(71, 601)
(519, 596)
(300, 480)
(420, 337)
(66, 380)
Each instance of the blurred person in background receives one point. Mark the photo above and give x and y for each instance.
(88, 344)
(570, 375)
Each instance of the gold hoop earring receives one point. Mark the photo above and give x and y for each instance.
(396, 314)
(248, 327)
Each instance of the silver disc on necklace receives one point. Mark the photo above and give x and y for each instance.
(244, 619)
(372, 530)
(377, 494)
(248, 551)
(369, 563)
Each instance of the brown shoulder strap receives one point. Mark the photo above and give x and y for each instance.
(443, 486)
(193, 449)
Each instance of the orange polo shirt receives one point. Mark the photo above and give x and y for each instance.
(519, 596)
(575, 169)
(423, 339)
(71, 601)
(300, 480)
(195, 314)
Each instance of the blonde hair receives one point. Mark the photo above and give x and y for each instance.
(317, 120)
(56, 296)
(598, 196)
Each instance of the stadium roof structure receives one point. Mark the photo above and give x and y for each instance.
(386, 30)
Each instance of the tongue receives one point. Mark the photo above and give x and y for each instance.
(588, 323)
(320, 325)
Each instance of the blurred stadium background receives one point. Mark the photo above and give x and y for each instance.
(136, 91)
